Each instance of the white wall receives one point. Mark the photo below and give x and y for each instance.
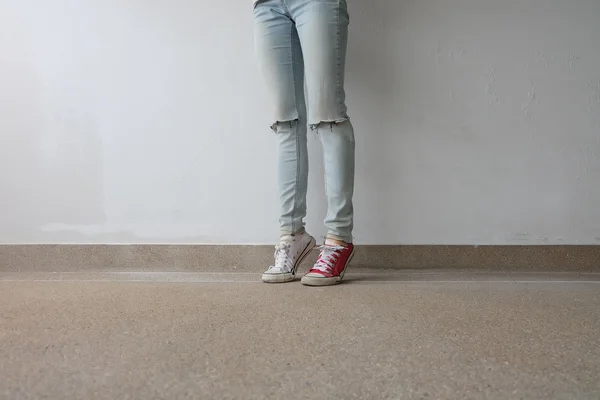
(143, 121)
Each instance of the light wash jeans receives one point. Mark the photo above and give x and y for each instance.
(298, 40)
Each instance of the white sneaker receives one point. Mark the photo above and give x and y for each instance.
(288, 255)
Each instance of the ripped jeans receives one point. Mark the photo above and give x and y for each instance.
(298, 40)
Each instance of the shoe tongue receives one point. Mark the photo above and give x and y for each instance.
(286, 238)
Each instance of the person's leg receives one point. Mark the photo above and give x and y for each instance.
(280, 60)
(323, 31)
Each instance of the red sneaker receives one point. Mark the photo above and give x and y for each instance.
(330, 267)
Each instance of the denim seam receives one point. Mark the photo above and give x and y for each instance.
(295, 201)
(325, 179)
(338, 66)
(298, 167)
(286, 8)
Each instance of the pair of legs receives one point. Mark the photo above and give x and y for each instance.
(302, 42)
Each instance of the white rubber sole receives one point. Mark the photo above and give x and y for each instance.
(323, 281)
(290, 276)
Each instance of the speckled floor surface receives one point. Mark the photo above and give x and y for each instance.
(382, 335)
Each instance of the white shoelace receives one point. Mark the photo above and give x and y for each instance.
(283, 260)
(328, 257)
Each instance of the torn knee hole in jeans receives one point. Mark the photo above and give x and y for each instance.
(329, 123)
(280, 124)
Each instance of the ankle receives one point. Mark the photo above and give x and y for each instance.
(335, 242)
(297, 234)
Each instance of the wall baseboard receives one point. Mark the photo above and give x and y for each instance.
(232, 258)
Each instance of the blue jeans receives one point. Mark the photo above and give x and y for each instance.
(298, 41)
